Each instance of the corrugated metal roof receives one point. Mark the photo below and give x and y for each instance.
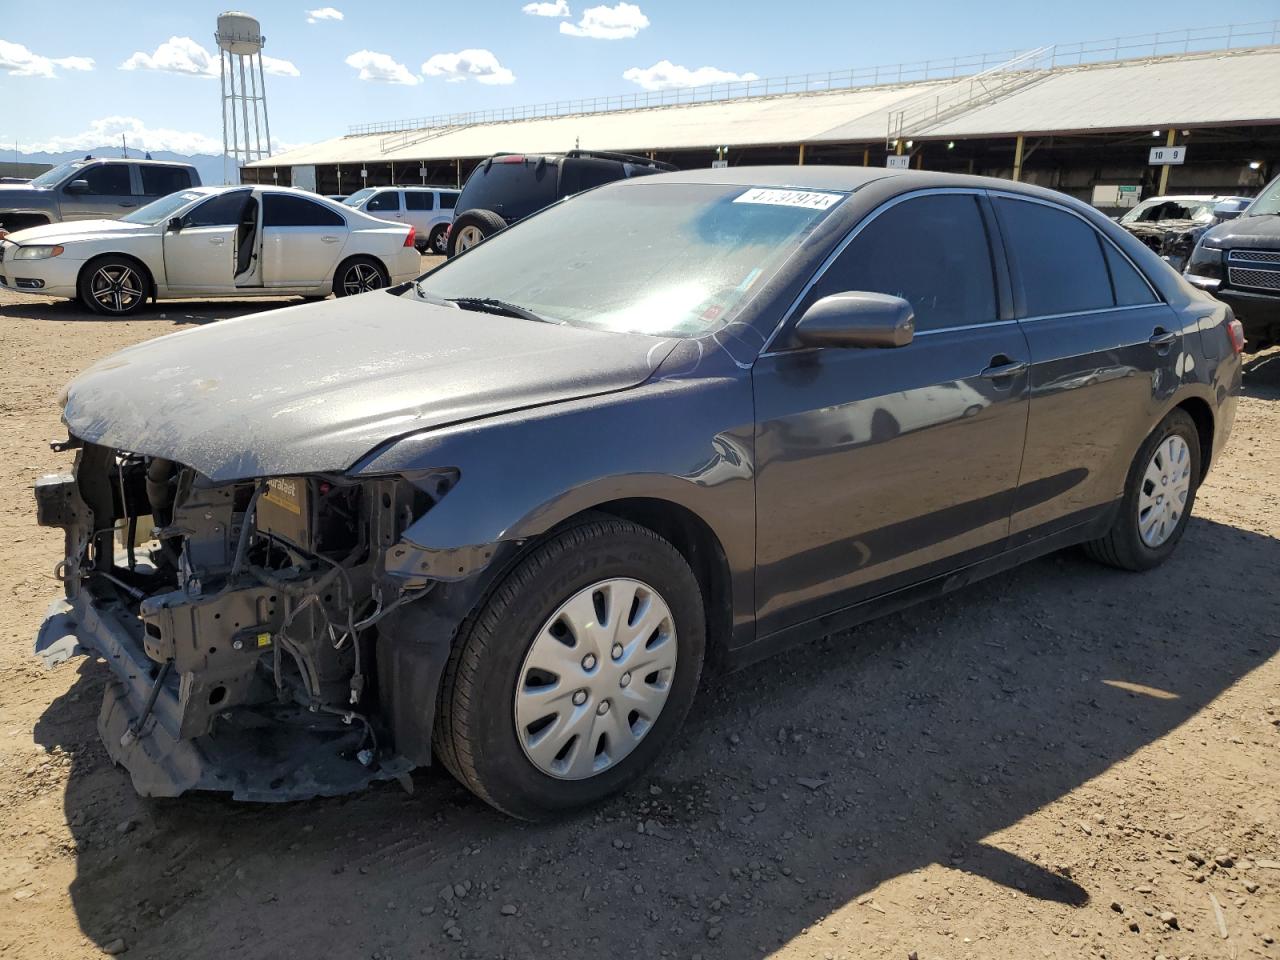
(1195, 90)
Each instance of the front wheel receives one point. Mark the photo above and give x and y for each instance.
(113, 285)
(575, 673)
(359, 275)
(1158, 497)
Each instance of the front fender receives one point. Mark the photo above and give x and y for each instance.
(688, 442)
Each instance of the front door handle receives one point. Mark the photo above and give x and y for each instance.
(330, 239)
(217, 241)
(1002, 367)
(1162, 337)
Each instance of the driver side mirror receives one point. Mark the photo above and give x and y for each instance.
(857, 319)
(78, 186)
(1230, 209)
(174, 224)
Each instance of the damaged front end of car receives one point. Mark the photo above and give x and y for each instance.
(276, 638)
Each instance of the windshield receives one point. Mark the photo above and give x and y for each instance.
(52, 177)
(160, 210)
(1155, 210)
(1268, 201)
(360, 195)
(675, 259)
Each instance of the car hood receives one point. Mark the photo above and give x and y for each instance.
(68, 231)
(1261, 231)
(316, 387)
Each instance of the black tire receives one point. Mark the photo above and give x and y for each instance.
(475, 734)
(114, 285)
(438, 241)
(1122, 545)
(486, 221)
(359, 275)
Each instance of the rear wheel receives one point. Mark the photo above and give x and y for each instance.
(438, 241)
(575, 673)
(114, 285)
(359, 275)
(472, 227)
(1158, 497)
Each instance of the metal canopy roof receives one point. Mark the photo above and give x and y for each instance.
(1223, 88)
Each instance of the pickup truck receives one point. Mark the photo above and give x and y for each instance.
(1238, 261)
(90, 189)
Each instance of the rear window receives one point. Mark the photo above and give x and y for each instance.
(1059, 259)
(162, 181)
(511, 188)
(419, 200)
(282, 210)
(448, 200)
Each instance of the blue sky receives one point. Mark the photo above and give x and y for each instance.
(63, 83)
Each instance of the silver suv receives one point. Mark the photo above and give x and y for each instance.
(428, 209)
(91, 189)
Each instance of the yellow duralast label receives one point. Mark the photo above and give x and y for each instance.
(284, 493)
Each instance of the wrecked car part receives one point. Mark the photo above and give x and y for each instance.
(248, 637)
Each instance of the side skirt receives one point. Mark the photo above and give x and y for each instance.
(905, 597)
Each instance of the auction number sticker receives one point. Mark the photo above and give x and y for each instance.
(790, 198)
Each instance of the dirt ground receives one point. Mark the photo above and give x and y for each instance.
(1064, 761)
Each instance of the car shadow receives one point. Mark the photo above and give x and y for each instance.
(797, 786)
(175, 311)
(1262, 375)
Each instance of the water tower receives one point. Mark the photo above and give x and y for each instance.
(246, 134)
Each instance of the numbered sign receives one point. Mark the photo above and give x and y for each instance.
(1165, 155)
(897, 163)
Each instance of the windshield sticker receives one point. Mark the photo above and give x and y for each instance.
(791, 198)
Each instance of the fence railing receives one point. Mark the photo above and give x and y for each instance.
(1164, 43)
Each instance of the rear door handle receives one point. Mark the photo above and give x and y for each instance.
(217, 241)
(1002, 367)
(1162, 337)
(330, 239)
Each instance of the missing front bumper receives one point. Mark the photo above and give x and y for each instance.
(275, 753)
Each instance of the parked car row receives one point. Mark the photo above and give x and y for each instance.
(1171, 226)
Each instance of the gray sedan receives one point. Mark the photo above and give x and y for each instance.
(504, 515)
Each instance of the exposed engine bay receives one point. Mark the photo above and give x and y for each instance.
(267, 637)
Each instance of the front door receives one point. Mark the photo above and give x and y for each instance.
(1106, 354)
(109, 195)
(301, 240)
(878, 468)
(202, 255)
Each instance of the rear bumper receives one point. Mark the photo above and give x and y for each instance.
(1258, 312)
(272, 754)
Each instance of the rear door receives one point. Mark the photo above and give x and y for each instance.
(877, 468)
(420, 210)
(1105, 354)
(301, 240)
(109, 197)
(202, 255)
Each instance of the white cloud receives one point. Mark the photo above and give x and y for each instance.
(479, 65)
(21, 62)
(381, 67)
(106, 133)
(184, 55)
(619, 22)
(664, 75)
(325, 13)
(558, 9)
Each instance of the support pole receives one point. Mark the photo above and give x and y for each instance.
(222, 69)
(866, 156)
(458, 165)
(1017, 159)
(1164, 171)
(266, 121)
(802, 154)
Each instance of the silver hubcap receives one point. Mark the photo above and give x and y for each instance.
(441, 241)
(361, 278)
(116, 288)
(469, 237)
(595, 679)
(1165, 487)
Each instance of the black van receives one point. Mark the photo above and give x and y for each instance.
(510, 186)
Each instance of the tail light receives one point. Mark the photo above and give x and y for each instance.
(1235, 331)
(411, 236)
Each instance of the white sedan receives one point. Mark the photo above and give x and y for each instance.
(211, 242)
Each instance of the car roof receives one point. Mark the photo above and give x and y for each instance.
(137, 160)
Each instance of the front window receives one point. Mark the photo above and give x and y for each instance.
(158, 211)
(359, 197)
(1268, 201)
(675, 259)
(51, 178)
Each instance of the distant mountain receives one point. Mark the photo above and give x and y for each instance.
(210, 166)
